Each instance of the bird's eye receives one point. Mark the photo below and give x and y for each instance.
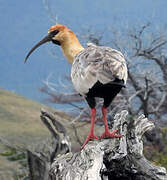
(53, 33)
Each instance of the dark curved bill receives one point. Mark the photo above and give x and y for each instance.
(44, 40)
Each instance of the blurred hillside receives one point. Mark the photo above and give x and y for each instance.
(21, 126)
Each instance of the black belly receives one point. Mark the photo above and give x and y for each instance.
(106, 91)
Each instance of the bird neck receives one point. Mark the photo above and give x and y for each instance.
(71, 47)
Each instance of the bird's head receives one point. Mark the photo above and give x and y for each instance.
(62, 36)
(59, 33)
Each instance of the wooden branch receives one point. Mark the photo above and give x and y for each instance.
(111, 158)
(58, 126)
(103, 159)
(38, 167)
(39, 162)
(161, 102)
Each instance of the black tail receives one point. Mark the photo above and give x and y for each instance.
(118, 82)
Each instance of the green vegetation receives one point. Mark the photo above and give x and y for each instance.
(21, 126)
(158, 157)
(19, 158)
(156, 153)
(19, 118)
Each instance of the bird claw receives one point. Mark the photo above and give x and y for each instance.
(89, 137)
(112, 134)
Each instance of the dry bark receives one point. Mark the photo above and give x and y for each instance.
(118, 159)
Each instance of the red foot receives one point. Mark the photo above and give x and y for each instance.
(112, 134)
(90, 137)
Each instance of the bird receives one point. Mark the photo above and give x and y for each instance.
(96, 72)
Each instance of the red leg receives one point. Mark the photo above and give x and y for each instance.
(91, 133)
(107, 133)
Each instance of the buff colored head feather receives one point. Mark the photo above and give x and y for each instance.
(63, 36)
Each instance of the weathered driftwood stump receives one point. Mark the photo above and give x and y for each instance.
(104, 159)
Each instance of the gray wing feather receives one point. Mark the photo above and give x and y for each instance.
(97, 63)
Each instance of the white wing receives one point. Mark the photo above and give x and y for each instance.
(97, 63)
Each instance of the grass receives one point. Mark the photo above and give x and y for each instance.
(19, 117)
(20, 124)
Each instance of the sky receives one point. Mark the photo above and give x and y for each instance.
(24, 23)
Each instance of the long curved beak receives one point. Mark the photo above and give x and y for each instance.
(44, 40)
